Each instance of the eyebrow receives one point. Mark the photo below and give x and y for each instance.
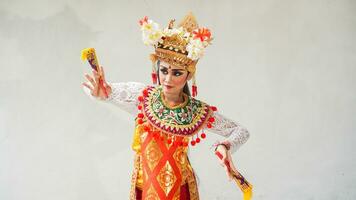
(177, 70)
(164, 67)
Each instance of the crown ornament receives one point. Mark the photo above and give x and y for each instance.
(183, 45)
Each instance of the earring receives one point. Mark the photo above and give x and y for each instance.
(153, 58)
(194, 87)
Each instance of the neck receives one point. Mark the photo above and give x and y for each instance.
(174, 99)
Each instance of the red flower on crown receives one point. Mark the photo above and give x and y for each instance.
(143, 20)
(202, 34)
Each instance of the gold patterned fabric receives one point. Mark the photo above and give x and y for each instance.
(161, 169)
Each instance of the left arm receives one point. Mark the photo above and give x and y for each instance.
(235, 136)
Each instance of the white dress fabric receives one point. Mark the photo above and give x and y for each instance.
(125, 94)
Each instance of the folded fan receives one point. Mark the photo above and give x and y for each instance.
(245, 186)
(90, 55)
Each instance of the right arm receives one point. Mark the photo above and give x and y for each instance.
(124, 95)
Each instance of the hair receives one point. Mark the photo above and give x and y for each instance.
(186, 86)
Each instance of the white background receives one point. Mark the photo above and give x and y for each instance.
(286, 70)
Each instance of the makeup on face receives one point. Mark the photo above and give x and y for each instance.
(172, 76)
(175, 72)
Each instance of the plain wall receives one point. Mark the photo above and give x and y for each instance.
(286, 70)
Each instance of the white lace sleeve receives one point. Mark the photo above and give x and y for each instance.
(124, 95)
(236, 135)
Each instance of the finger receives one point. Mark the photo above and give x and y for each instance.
(88, 86)
(222, 152)
(225, 157)
(97, 79)
(228, 174)
(227, 162)
(108, 88)
(96, 75)
(95, 91)
(102, 73)
(233, 168)
(90, 79)
(231, 162)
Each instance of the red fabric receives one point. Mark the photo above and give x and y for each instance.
(138, 194)
(184, 193)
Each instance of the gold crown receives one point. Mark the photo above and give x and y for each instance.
(171, 45)
(181, 46)
(172, 49)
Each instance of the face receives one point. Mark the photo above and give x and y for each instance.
(172, 78)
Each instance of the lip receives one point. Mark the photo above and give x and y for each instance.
(168, 86)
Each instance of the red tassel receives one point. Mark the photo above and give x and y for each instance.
(203, 135)
(145, 93)
(154, 78)
(140, 98)
(194, 90)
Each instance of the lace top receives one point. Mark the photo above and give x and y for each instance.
(125, 94)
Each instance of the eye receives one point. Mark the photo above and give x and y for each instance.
(164, 71)
(177, 73)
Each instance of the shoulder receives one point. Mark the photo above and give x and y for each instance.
(199, 103)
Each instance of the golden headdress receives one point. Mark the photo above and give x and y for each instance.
(182, 46)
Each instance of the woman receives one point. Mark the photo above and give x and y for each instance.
(168, 119)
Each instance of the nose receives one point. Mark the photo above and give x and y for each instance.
(168, 78)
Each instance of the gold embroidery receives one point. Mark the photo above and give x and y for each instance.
(152, 194)
(166, 178)
(135, 179)
(193, 188)
(198, 111)
(159, 180)
(153, 154)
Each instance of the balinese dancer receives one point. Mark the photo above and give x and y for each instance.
(169, 119)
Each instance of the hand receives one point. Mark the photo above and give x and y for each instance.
(226, 161)
(98, 85)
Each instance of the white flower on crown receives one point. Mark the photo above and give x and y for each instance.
(197, 41)
(186, 35)
(195, 49)
(152, 38)
(200, 39)
(149, 26)
(151, 32)
(179, 31)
